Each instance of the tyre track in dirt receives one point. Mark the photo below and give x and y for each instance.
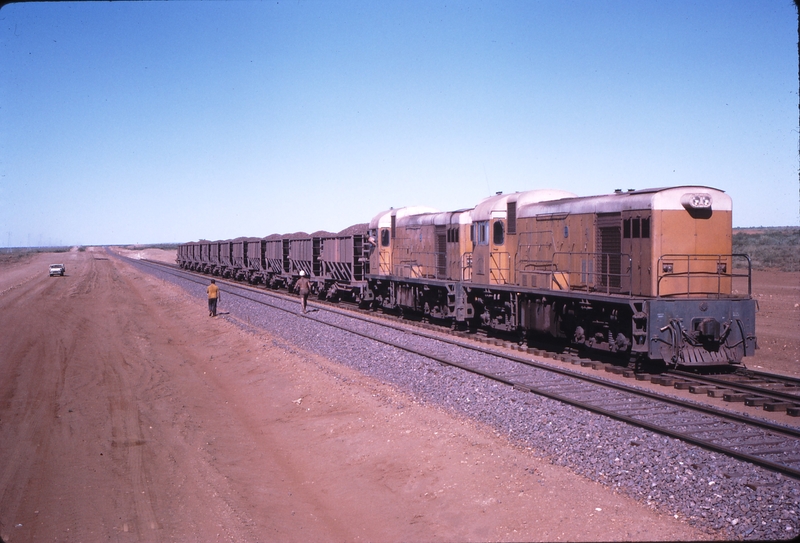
(127, 440)
(60, 365)
(35, 397)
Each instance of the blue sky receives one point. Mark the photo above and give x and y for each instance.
(149, 122)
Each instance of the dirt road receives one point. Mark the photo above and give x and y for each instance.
(127, 414)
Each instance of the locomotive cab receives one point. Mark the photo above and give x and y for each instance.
(421, 257)
(494, 236)
(383, 231)
(491, 246)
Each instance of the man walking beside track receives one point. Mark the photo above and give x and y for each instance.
(213, 298)
(303, 287)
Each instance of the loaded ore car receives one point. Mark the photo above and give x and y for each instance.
(196, 256)
(255, 264)
(225, 258)
(276, 261)
(214, 262)
(181, 256)
(204, 264)
(238, 259)
(188, 256)
(302, 253)
(343, 264)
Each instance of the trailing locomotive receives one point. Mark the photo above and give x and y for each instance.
(642, 274)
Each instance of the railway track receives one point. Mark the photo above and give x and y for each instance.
(761, 442)
(753, 389)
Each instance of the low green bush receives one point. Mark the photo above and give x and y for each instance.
(776, 248)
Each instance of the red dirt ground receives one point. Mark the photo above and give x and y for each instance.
(127, 414)
(777, 322)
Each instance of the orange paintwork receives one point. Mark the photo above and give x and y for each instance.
(706, 240)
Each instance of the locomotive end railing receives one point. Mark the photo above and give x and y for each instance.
(699, 272)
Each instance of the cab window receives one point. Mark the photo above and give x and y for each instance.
(385, 237)
(498, 233)
(481, 233)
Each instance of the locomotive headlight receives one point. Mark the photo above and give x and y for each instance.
(696, 201)
(666, 268)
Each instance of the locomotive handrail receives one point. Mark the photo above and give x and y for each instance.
(605, 276)
(385, 262)
(500, 267)
(466, 267)
(419, 264)
(532, 268)
(431, 265)
(666, 266)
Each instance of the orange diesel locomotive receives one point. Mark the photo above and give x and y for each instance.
(646, 274)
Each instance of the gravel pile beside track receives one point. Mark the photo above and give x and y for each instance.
(731, 499)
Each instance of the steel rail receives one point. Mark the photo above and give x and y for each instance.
(764, 375)
(745, 386)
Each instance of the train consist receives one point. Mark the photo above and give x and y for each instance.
(646, 275)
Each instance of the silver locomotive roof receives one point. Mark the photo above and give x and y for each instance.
(671, 198)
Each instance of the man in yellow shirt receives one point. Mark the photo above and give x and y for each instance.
(213, 298)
